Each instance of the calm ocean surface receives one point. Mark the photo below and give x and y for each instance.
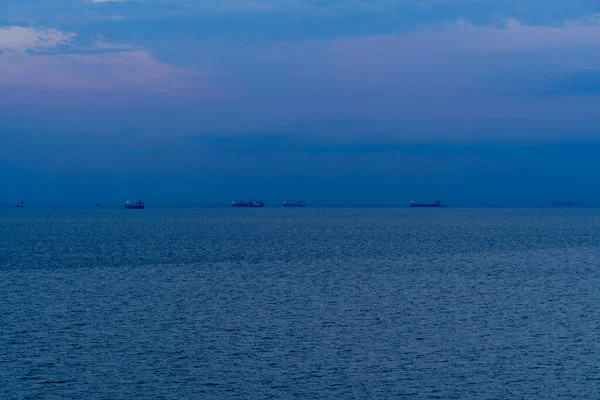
(274, 303)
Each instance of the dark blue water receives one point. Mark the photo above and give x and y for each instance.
(182, 303)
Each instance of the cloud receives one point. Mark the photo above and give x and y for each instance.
(426, 9)
(446, 79)
(49, 59)
(549, 11)
(134, 70)
(20, 39)
(449, 56)
(443, 79)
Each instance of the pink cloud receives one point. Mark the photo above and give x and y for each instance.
(457, 77)
(433, 80)
(102, 66)
(449, 59)
(121, 71)
(450, 56)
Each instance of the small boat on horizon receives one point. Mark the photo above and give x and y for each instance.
(294, 203)
(247, 204)
(139, 205)
(21, 204)
(436, 204)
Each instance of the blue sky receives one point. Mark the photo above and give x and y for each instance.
(380, 101)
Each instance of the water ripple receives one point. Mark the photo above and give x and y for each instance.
(312, 303)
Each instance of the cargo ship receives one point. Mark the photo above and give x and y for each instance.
(437, 203)
(294, 203)
(247, 204)
(566, 203)
(139, 205)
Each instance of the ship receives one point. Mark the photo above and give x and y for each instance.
(21, 204)
(139, 205)
(247, 203)
(294, 203)
(437, 203)
(566, 203)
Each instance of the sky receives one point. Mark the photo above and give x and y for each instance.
(329, 101)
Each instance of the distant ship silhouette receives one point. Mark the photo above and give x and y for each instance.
(294, 203)
(139, 205)
(248, 203)
(437, 203)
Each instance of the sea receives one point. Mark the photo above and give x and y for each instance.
(299, 303)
